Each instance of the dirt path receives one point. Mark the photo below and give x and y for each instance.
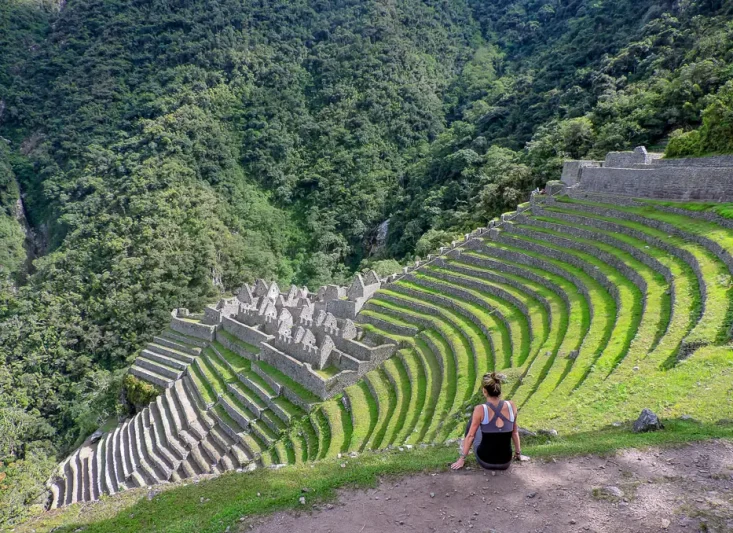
(675, 489)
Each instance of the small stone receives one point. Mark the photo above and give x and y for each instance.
(329, 506)
(573, 522)
(608, 492)
(343, 465)
(432, 495)
(493, 474)
(665, 523)
(526, 433)
(302, 500)
(647, 421)
(96, 436)
(548, 432)
(531, 495)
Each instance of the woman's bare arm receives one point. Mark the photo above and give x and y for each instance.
(468, 440)
(515, 433)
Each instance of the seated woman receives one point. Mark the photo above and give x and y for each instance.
(491, 430)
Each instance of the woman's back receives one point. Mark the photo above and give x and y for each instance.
(496, 429)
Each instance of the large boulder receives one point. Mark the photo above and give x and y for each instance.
(647, 421)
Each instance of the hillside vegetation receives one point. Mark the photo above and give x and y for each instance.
(166, 152)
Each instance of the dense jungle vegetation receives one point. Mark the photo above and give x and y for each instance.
(167, 151)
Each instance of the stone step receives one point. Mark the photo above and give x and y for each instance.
(169, 410)
(272, 421)
(87, 479)
(164, 360)
(99, 458)
(186, 468)
(137, 480)
(110, 477)
(253, 383)
(151, 377)
(142, 464)
(157, 460)
(222, 437)
(241, 453)
(241, 415)
(226, 463)
(177, 346)
(173, 353)
(200, 461)
(263, 432)
(164, 434)
(75, 477)
(157, 368)
(189, 415)
(126, 450)
(57, 494)
(180, 338)
(213, 451)
(252, 402)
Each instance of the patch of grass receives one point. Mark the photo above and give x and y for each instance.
(228, 498)
(251, 348)
(286, 381)
(328, 372)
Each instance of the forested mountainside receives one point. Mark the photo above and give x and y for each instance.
(168, 151)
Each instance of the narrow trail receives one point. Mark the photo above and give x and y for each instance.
(682, 489)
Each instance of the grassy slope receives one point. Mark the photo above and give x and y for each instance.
(211, 506)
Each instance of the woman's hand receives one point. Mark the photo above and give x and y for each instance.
(458, 464)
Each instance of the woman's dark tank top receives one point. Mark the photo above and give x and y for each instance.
(496, 442)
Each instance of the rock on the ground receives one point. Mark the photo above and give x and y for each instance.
(96, 436)
(548, 432)
(609, 491)
(647, 421)
(526, 433)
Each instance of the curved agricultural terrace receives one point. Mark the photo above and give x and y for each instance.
(593, 306)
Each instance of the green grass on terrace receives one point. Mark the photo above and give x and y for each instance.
(507, 338)
(328, 372)
(451, 335)
(202, 384)
(286, 381)
(718, 314)
(569, 326)
(213, 505)
(537, 318)
(450, 384)
(237, 362)
(656, 313)
(725, 210)
(235, 340)
(476, 343)
(628, 315)
(597, 336)
(363, 415)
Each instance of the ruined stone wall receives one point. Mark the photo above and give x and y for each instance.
(192, 329)
(662, 182)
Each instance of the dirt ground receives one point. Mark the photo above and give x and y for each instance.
(689, 488)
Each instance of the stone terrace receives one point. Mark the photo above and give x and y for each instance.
(595, 303)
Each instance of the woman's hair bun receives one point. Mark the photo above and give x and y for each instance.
(492, 381)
